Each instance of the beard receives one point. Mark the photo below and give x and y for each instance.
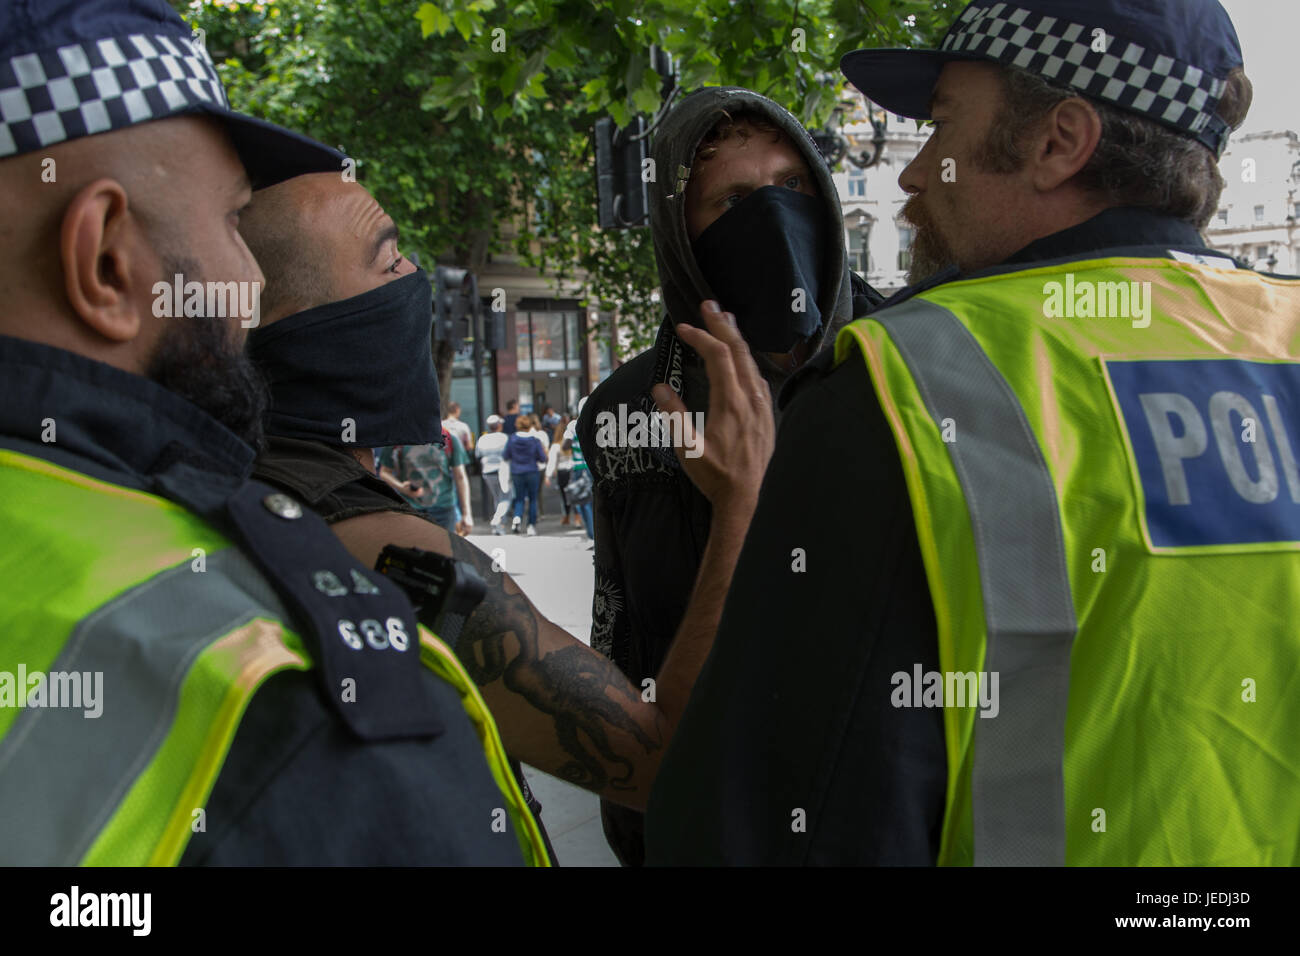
(199, 359)
(931, 254)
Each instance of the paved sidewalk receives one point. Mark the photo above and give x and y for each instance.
(554, 569)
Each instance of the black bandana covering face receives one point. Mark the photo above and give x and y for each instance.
(367, 359)
(756, 255)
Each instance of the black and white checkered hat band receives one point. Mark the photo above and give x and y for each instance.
(1128, 75)
(101, 85)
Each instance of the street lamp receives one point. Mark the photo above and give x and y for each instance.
(879, 119)
(830, 144)
(833, 147)
(865, 222)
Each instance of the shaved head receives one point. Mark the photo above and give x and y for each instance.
(319, 239)
(276, 225)
(95, 223)
(157, 188)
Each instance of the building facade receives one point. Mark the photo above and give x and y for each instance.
(1260, 206)
(551, 350)
(878, 241)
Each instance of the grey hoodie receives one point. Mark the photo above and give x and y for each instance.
(682, 285)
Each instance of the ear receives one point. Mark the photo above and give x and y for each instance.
(1067, 141)
(99, 248)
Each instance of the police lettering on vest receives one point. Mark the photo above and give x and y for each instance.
(1213, 446)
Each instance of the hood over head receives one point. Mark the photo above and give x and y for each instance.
(682, 282)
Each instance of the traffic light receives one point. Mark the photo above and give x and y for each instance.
(622, 200)
(450, 306)
(494, 330)
(467, 309)
(622, 167)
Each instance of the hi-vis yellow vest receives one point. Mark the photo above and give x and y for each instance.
(1108, 509)
(98, 579)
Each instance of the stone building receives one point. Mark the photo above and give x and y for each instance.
(879, 243)
(1258, 211)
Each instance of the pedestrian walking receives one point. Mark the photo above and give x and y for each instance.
(490, 452)
(535, 430)
(432, 477)
(524, 453)
(559, 466)
(581, 487)
(457, 427)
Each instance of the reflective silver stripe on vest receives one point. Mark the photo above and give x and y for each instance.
(62, 774)
(1017, 786)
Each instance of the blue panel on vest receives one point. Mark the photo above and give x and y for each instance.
(1215, 442)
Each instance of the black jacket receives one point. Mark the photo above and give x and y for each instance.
(651, 521)
(297, 787)
(792, 710)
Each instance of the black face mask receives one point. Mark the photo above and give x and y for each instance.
(756, 254)
(367, 358)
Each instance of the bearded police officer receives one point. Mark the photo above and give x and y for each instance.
(1061, 628)
(259, 695)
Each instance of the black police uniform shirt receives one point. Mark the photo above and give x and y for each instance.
(297, 786)
(337, 487)
(789, 711)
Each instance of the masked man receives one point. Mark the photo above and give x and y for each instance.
(345, 344)
(744, 211)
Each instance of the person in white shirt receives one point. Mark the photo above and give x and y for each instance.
(458, 428)
(491, 446)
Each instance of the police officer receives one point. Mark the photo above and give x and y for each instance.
(1050, 635)
(191, 668)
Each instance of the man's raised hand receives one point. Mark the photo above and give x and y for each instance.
(740, 432)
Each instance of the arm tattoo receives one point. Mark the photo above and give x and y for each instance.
(584, 694)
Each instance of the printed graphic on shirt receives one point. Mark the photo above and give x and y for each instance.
(1212, 446)
(605, 608)
(619, 428)
(428, 470)
(618, 463)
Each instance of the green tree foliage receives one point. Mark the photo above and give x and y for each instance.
(471, 121)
